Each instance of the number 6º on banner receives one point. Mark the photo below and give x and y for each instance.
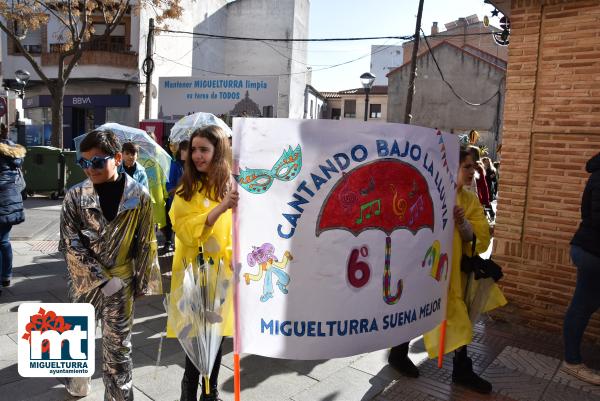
(359, 271)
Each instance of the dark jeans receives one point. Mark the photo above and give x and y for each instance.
(586, 301)
(167, 230)
(6, 255)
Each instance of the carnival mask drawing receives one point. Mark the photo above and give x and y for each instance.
(286, 168)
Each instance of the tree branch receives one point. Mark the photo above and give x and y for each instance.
(51, 11)
(71, 19)
(25, 53)
(76, 51)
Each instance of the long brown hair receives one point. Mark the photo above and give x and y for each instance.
(216, 181)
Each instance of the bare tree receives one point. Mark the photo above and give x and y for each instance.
(77, 19)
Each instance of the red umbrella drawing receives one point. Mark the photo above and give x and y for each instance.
(386, 195)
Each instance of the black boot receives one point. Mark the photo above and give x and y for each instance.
(463, 375)
(213, 396)
(399, 360)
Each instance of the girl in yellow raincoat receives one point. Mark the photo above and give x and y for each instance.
(469, 219)
(201, 217)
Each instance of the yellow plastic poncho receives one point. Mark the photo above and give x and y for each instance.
(459, 329)
(191, 232)
(158, 191)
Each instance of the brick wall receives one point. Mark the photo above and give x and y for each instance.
(551, 128)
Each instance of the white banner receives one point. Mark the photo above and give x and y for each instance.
(344, 234)
(219, 94)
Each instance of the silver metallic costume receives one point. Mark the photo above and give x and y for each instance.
(97, 250)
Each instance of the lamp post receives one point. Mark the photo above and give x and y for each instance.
(18, 87)
(22, 77)
(367, 80)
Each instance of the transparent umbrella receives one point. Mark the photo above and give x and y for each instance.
(182, 130)
(149, 149)
(199, 303)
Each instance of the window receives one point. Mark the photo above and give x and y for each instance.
(32, 42)
(349, 108)
(114, 43)
(375, 111)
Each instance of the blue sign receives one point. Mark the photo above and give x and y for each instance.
(79, 101)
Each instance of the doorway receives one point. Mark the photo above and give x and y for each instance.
(83, 121)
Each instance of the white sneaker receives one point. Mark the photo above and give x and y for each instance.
(581, 372)
(78, 386)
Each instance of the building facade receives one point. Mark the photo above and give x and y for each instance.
(383, 60)
(551, 128)
(468, 31)
(315, 104)
(108, 82)
(350, 103)
(474, 75)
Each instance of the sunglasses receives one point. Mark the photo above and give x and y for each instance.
(97, 163)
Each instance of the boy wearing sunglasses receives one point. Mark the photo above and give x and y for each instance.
(108, 242)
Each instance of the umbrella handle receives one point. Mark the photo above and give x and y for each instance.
(206, 385)
(387, 276)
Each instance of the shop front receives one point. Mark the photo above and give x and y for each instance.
(81, 114)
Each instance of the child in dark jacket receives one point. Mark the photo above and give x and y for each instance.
(11, 202)
(175, 173)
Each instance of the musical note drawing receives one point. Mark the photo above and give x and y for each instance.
(347, 196)
(369, 208)
(398, 205)
(370, 188)
(414, 190)
(416, 209)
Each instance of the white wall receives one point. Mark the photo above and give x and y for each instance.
(271, 19)
(174, 54)
(299, 73)
(314, 106)
(383, 60)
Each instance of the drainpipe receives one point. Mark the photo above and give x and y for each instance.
(305, 102)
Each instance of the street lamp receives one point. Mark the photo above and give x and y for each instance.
(22, 77)
(18, 87)
(367, 80)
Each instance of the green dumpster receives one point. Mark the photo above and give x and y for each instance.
(44, 171)
(74, 174)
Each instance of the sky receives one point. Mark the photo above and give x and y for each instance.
(362, 18)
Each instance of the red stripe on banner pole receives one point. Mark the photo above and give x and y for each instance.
(442, 342)
(236, 274)
(236, 376)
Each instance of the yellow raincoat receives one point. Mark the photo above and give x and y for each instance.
(191, 232)
(158, 191)
(459, 329)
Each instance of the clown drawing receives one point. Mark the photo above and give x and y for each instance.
(269, 265)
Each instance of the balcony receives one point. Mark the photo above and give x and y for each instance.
(114, 54)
